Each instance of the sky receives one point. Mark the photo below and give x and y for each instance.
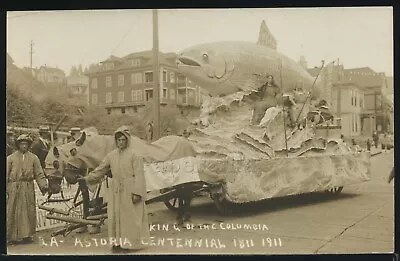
(358, 37)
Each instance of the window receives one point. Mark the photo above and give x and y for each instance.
(356, 120)
(139, 95)
(136, 78)
(134, 62)
(121, 96)
(108, 81)
(94, 98)
(94, 83)
(172, 94)
(148, 77)
(172, 77)
(108, 97)
(123, 110)
(164, 94)
(121, 80)
(351, 96)
(109, 66)
(164, 76)
(361, 102)
(134, 95)
(108, 111)
(355, 99)
(148, 94)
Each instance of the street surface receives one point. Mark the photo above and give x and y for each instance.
(359, 220)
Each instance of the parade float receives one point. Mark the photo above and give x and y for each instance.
(222, 153)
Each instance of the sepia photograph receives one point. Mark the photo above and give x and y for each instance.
(200, 131)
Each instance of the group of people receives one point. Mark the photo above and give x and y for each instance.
(25, 164)
(127, 217)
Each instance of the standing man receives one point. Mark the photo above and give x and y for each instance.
(149, 131)
(10, 143)
(127, 217)
(375, 138)
(23, 167)
(42, 145)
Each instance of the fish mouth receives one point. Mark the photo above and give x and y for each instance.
(187, 62)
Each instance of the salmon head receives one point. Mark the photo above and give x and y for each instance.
(208, 65)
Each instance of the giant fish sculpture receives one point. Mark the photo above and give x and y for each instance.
(224, 68)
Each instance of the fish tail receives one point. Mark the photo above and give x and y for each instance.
(323, 80)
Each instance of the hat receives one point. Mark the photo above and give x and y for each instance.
(23, 137)
(44, 129)
(75, 129)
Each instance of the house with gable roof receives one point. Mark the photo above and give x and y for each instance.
(50, 75)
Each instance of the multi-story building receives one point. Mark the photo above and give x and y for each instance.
(50, 75)
(265, 37)
(376, 113)
(367, 109)
(348, 104)
(124, 85)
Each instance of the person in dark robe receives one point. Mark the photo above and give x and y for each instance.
(126, 209)
(41, 146)
(375, 138)
(23, 168)
(368, 145)
(149, 131)
(270, 95)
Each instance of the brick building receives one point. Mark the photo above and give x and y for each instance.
(125, 84)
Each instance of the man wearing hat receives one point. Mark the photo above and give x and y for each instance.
(10, 142)
(75, 132)
(23, 167)
(42, 146)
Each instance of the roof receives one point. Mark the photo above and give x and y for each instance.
(364, 77)
(147, 60)
(113, 58)
(52, 70)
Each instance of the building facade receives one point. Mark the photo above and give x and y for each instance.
(124, 85)
(348, 104)
(376, 113)
(50, 75)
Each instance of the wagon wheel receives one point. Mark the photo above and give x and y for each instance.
(174, 204)
(334, 190)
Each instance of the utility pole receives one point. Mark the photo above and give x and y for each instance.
(156, 77)
(31, 78)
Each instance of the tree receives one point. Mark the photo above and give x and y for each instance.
(74, 71)
(80, 71)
